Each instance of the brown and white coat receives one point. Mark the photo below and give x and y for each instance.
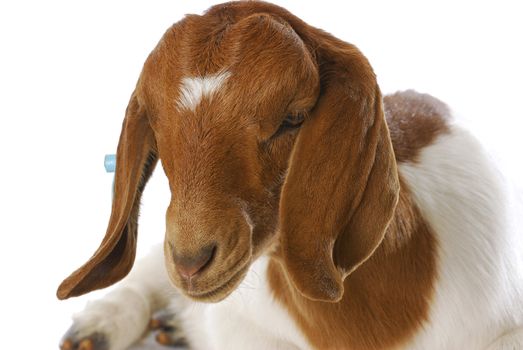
(308, 210)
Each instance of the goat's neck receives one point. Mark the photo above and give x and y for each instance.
(385, 300)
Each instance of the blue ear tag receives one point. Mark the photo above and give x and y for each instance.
(110, 163)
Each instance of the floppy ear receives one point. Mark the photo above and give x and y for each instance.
(342, 184)
(135, 162)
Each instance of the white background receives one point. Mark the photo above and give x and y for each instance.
(68, 68)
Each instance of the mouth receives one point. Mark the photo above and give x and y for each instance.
(223, 290)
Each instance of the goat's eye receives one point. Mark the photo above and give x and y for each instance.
(291, 122)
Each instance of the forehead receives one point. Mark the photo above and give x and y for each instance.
(192, 90)
(200, 61)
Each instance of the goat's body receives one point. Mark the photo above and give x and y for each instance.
(477, 301)
(478, 291)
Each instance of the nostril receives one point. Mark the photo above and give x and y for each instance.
(188, 266)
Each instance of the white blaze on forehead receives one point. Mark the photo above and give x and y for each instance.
(192, 90)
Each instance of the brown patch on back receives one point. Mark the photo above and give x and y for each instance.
(386, 300)
(415, 120)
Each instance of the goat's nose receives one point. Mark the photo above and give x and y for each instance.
(188, 266)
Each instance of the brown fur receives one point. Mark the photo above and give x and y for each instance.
(386, 299)
(415, 120)
(353, 260)
(115, 256)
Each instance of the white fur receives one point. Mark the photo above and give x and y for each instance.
(193, 89)
(478, 293)
(123, 314)
(248, 319)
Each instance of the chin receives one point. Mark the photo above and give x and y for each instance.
(211, 287)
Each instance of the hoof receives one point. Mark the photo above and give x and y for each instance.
(167, 330)
(95, 341)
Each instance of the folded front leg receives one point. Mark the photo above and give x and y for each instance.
(122, 317)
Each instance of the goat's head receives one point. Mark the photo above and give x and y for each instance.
(272, 136)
